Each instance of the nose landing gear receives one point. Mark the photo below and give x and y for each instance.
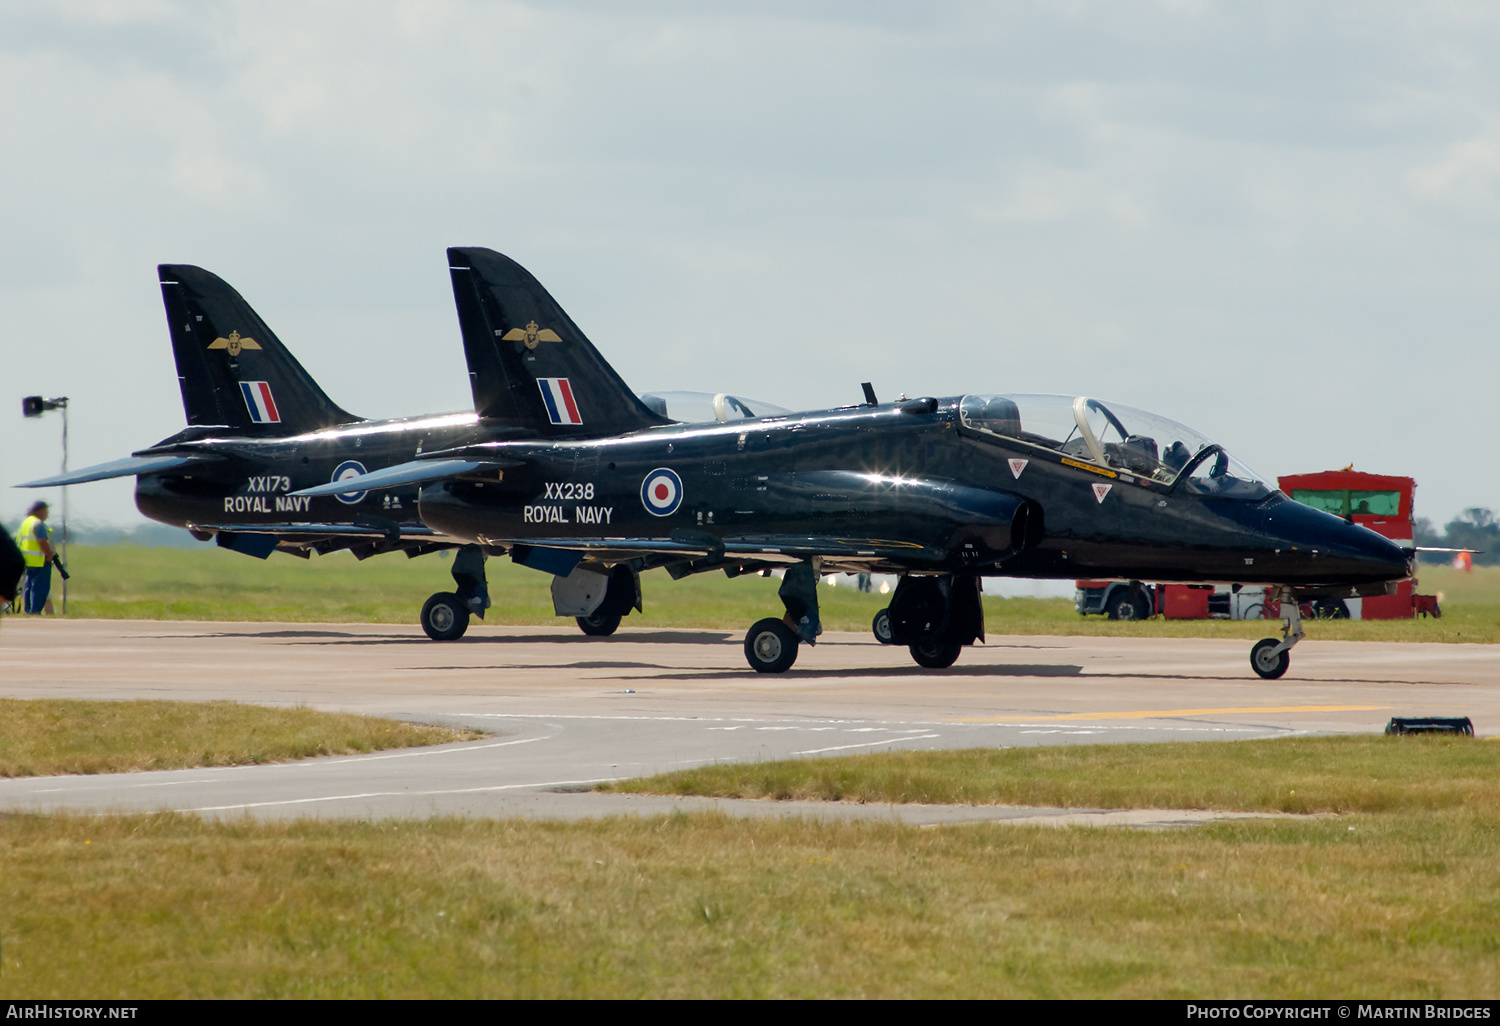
(1270, 658)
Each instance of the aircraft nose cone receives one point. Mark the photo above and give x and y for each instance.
(1386, 560)
(1333, 551)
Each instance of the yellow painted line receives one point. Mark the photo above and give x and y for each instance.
(1146, 714)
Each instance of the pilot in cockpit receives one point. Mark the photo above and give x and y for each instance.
(1176, 457)
(1136, 454)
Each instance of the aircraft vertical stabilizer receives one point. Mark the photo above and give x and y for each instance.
(232, 369)
(529, 365)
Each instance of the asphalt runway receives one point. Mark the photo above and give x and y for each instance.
(565, 711)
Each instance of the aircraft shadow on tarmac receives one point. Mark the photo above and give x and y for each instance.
(683, 637)
(1234, 677)
(337, 637)
(989, 670)
(594, 665)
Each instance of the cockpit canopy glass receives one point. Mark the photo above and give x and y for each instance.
(708, 407)
(1115, 436)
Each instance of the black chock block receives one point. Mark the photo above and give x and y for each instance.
(1430, 725)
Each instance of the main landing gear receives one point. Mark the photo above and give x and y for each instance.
(1270, 657)
(934, 617)
(445, 616)
(597, 596)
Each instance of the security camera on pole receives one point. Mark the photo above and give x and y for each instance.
(35, 406)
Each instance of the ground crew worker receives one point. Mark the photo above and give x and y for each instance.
(34, 541)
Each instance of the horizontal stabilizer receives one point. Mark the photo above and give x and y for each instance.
(391, 477)
(128, 467)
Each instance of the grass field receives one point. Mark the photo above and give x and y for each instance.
(1392, 892)
(44, 736)
(132, 582)
(1400, 901)
(1356, 773)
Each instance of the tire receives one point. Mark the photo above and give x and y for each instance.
(935, 655)
(444, 617)
(1268, 666)
(599, 625)
(770, 646)
(881, 626)
(1330, 609)
(1128, 605)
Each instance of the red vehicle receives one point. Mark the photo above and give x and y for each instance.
(1134, 600)
(1381, 502)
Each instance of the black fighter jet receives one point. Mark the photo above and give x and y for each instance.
(571, 473)
(259, 428)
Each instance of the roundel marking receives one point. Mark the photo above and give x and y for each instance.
(661, 492)
(347, 469)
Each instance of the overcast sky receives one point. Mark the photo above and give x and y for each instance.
(1274, 222)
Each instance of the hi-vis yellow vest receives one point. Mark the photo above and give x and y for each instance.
(29, 544)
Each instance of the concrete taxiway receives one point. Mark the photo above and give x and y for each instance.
(565, 711)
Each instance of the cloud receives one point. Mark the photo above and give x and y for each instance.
(1243, 216)
(1465, 181)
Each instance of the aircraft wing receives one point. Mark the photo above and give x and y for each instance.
(299, 530)
(789, 548)
(128, 467)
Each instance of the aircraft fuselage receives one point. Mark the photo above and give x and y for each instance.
(898, 488)
(244, 483)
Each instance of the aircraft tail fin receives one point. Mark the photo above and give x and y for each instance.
(530, 366)
(232, 368)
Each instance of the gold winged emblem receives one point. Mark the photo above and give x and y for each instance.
(531, 335)
(234, 343)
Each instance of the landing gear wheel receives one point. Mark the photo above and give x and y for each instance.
(444, 617)
(770, 646)
(1264, 663)
(882, 627)
(599, 625)
(936, 655)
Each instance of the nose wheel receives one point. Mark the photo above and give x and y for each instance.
(1270, 658)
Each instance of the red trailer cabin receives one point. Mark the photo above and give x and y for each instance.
(1381, 502)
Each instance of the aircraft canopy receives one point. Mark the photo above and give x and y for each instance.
(709, 407)
(1115, 436)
